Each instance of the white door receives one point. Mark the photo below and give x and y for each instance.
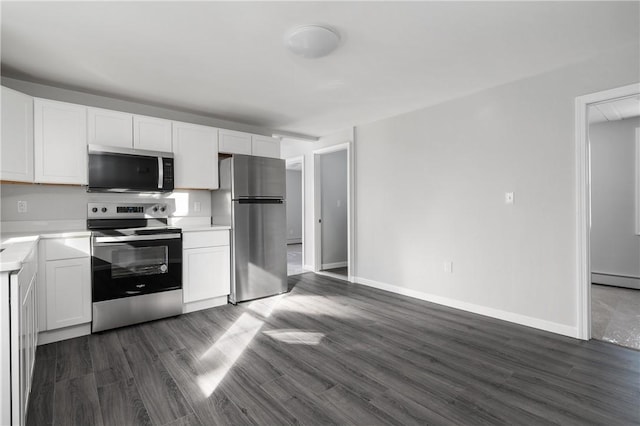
(16, 149)
(68, 292)
(110, 128)
(206, 273)
(195, 150)
(150, 133)
(231, 142)
(264, 146)
(60, 142)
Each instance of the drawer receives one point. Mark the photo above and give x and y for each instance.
(67, 248)
(205, 239)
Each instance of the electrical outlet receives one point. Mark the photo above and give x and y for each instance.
(197, 206)
(22, 206)
(448, 267)
(509, 198)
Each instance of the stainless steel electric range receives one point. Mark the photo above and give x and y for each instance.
(136, 263)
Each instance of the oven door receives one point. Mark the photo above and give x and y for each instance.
(132, 265)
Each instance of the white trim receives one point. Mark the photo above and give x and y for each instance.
(638, 181)
(307, 267)
(583, 202)
(294, 241)
(538, 323)
(204, 304)
(615, 280)
(334, 265)
(348, 146)
(51, 336)
(292, 160)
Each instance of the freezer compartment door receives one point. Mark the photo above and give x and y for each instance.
(258, 177)
(260, 249)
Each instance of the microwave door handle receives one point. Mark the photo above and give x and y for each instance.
(160, 172)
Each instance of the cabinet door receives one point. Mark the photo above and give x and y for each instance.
(68, 292)
(195, 150)
(60, 142)
(264, 146)
(206, 273)
(16, 149)
(231, 142)
(153, 134)
(111, 128)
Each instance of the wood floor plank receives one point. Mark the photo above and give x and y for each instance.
(40, 411)
(188, 420)
(303, 405)
(109, 362)
(121, 404)
(76, 402)
(73, 358)
(158, 390)
(197, 384)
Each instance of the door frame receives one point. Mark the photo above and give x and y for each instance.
(293, 160)
(317, 207)
(583, 199)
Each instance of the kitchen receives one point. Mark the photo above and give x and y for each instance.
(275, 360)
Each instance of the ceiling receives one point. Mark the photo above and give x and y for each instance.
(227, 60)
(620, 109)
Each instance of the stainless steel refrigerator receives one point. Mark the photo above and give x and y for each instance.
(251, 199)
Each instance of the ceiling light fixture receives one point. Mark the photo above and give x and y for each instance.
(312, 41)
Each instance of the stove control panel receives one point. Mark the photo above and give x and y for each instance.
(127, 210)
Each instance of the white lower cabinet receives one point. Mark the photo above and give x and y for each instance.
(19, 338)
(68, 292)
(65, 283)
(206, 273)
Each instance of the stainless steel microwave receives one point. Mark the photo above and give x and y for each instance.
(113, 169)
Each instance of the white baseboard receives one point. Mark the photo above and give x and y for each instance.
(294, 240)
(308, 267)
(51, 336)
(334, 265)
(565, 330)
(204, 304)
(615, 280)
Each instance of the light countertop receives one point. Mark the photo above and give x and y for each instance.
(205, 228)
(16, 251)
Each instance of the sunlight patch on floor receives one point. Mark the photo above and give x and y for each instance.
(226, 351)
(296, 337)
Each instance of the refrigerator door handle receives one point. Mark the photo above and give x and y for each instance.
(260, 201)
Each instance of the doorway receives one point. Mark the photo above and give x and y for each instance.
(608, 205)
(332, 208)
(295, 215)
(614, 132)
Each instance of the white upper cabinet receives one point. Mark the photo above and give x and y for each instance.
(111, 128)
(60, 142)
(232, 142)
(265, 146)
(121, 129)
(195, 150)
(16, 154)
(153, 134)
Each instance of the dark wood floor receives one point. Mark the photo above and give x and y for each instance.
(330, 352)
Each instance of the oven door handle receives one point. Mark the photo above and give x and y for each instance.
(126, 238)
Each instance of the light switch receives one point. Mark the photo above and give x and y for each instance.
(197, 206)
(509, 198)
(22, 206)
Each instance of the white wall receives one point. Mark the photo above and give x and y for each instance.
(293, 148)
(430, 188)
(615, 249)
(333, 172)
(294, 206)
